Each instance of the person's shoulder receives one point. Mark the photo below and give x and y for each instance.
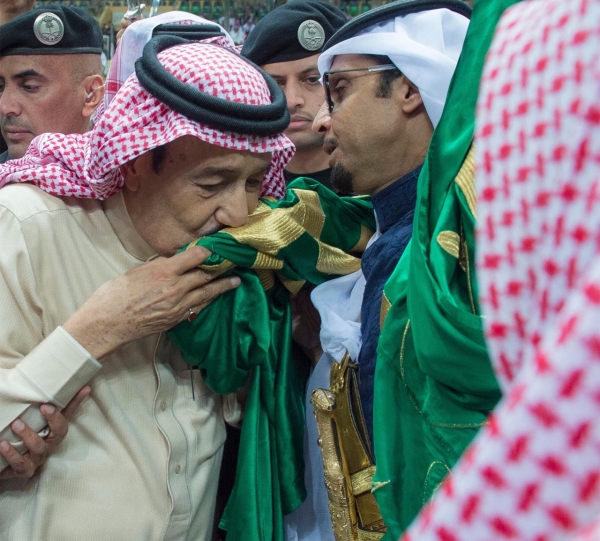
(25, 201)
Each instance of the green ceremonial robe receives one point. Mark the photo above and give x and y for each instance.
(245, 334)
(433, 368)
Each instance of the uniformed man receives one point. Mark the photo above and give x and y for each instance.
(286, 44)
(50, 75)
(9, 9)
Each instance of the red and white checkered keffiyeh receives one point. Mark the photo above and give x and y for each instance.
(135, 122)
(131, 46)
(533, 474)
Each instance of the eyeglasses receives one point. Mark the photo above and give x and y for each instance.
(327, 74)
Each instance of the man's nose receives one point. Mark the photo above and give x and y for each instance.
(234, 210)
(8, 104)
(294, 96)
(322, 122)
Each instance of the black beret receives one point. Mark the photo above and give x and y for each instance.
(298, 29)
(52, 29)
(394, 9)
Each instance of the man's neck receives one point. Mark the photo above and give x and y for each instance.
(305, 162)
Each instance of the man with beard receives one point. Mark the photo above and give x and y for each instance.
(386, 76)
(286, 44)
(50, 75)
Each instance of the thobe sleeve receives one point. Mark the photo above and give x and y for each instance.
(34, 368)
(533, 472)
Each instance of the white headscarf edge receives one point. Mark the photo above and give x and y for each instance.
(425, 47)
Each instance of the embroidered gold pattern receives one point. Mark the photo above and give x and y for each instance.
(273, 229)
(379, 484)
(266, 277)
(431, 466)
(270, 230)
(385, 308)
(334, 261)
(365, 236)
(466, 181)
(267, 261)
(450, 242)
(293, 286)
(464, 263)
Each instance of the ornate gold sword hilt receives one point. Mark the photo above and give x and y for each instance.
(341, 504)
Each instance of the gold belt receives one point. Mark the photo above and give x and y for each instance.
(347, 457)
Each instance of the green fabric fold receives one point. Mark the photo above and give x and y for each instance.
(245, 336)
(433, 368)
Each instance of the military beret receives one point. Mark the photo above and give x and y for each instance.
(394, 9)
(52, 29)
(296, 30)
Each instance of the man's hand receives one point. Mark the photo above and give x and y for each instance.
(148, 299)
(38, 448)
(124, 24)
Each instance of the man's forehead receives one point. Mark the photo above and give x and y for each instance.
(46, 65)
(350, 61)
(292, 67)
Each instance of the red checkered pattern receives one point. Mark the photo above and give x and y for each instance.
(533, 473)
(88, 165)
(132, 43)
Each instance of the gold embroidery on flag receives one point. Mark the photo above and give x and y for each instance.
(293, 286)
(450, 242)
(365, 236)
(466, 181)
(334, 261)
(267, 261)
(271, 230)
(266, 277)
(385, 308)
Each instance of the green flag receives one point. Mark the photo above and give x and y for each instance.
(432, 367)
(245, 335)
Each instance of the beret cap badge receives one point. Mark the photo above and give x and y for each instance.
(48, 28)
(311, 35)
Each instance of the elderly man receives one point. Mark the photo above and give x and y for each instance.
(386, 75)
(50, 75)
(89, 286)
(286, 43)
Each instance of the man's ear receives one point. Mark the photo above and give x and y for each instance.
(93, 86)
(411, 97)
(134, 170)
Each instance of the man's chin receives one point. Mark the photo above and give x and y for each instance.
(17, 151)
(342, 179)
(305, 139)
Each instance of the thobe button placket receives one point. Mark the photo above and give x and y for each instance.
(177, 468)
(163, 406)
